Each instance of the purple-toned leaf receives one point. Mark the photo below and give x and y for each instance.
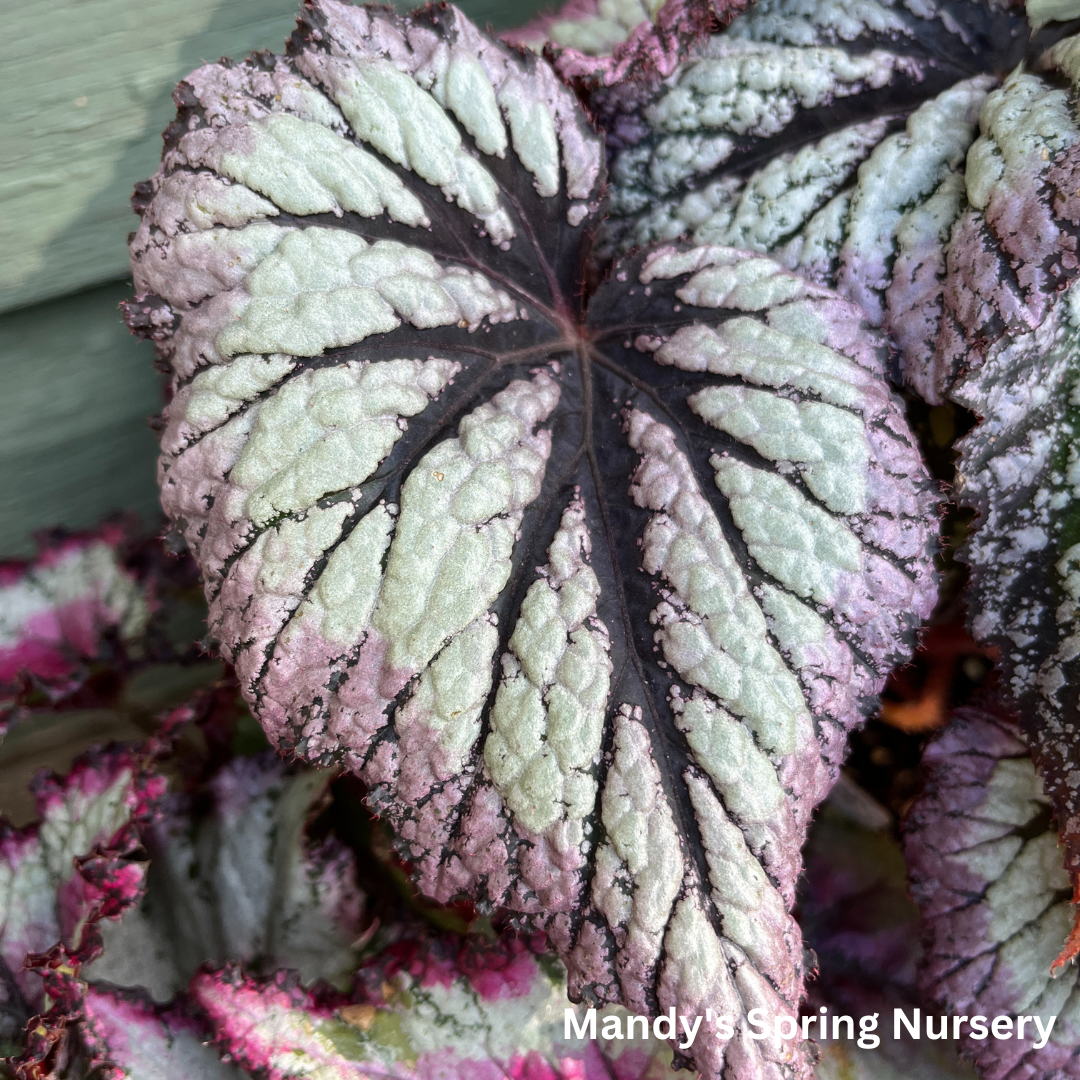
(625, 44)
(127, 1035)
(110, 1034)
(239, 880)
(458, 1014)
(986, 868)
(832, 136)
(1013, 249)
(857, 915)
(583, 26)
(1017, 470)
(902, 1059)
(54, 611)
(236, 879)
(47, 1048)
(79, 864)
(71, 867)
(855, 912)
(589, 599)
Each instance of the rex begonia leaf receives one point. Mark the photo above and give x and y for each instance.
(857, 915)
(587, 589)
(986, 868)
(591, 27)
(830, 135)
(110, 1033)
(234, 877)
(80, 863)
(1013, 248)
(55, 610)
(69, 867)
(1018, 470)
(128, 1037)
(460, 1014)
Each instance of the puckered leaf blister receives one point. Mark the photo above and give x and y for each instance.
(1013, 248)
(986, 868)
(589, 602)
(1010, 322)
(586, 28)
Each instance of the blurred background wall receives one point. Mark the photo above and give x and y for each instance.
(86, 87)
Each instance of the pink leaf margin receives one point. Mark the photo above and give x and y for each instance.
(106, 882)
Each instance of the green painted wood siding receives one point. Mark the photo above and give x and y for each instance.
(75, 393)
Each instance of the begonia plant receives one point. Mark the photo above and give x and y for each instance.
(546, 422)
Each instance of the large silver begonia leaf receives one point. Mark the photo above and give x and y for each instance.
(1012, 330)
(588, 590)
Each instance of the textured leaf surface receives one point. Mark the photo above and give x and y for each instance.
(986, 867)
(1017, 469)
(586, 26)
(481, 1013)
(1013, 248)
(623, 43)
(238, 880)
(831, 135)
(588, 601)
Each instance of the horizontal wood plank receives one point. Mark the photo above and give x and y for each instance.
(74, 442)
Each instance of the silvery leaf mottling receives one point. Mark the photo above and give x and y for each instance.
(628, 44)
(830, 135)
(238, 880)
(1014, 246)
(986, 868)
(587, 589)
(588, 27)
(430, 1008)
(1018, 470)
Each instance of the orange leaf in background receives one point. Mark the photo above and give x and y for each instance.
(946, 666)
(1071, 949)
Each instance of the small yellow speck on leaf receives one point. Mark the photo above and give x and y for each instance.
(361, 1016)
